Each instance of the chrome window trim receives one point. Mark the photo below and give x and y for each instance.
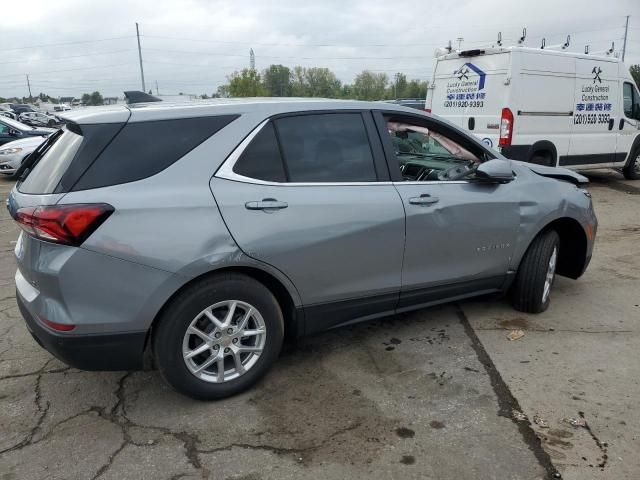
(226, 170)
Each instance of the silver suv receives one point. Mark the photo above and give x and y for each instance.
(204, 234)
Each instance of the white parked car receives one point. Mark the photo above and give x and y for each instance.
(549, 107)
(12, 154)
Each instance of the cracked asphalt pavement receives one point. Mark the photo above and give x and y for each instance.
(429, 394)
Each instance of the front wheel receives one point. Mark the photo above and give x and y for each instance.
(631, 171)
(218, 337)
(532, 288)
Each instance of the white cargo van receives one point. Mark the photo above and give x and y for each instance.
(548, 107)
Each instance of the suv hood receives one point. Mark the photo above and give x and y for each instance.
(558, 173)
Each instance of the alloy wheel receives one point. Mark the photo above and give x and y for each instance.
(224, 341)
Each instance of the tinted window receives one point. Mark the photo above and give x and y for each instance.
(627, 99)
(261, 159)
(143, 149)
(52, 164)
(326, 148)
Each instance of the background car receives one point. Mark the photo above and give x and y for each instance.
(8, 114)
(13, 154)
(11, 130)
(19, 108)
(417, 103)
(39, 119)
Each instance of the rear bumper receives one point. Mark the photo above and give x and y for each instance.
(115, 351)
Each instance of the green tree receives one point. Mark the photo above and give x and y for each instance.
(277, 81)
(246, 83)
(370, 86)
(635, 73)
(322, 82)
(399, 86)
(416, 89)
(94, 98)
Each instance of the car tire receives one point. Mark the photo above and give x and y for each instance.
(173, 340)
(531, 291)
(631, 171)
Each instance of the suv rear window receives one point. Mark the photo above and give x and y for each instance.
(55, 160)
(142, 149)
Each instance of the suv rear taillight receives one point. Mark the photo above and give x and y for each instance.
(65, 224)
(506, 127)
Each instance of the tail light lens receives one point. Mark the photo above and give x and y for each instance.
(428, 110)
(506, 127)
(65, 224)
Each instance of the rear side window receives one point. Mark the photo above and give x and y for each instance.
(261, 159)
(142, 149)
(54, 161)
(331, 147)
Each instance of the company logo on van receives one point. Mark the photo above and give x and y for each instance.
(596, 74)
(463, 73)
(464, 90)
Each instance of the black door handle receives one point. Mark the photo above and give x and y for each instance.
(611, 123)
(266, 204)
(424, 199)
(621, 124)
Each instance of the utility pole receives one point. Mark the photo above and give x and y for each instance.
(157, 89)
(29, 86)
(459, 40)
(252, 60)
(140, 57)
(626, 30)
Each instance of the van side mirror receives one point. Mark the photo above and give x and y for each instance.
(14, 133)
(495, 171)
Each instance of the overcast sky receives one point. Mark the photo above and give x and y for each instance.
(69, 47)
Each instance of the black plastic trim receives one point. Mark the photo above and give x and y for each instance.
(324, 316)
(120, 351)
(592, 158)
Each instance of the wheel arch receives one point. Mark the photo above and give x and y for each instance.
(573, 246)
(635, 146)
(293, 319)
(545, 146)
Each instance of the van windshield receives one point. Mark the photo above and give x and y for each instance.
(53, 161)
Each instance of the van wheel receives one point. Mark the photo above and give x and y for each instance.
(631, 171)
(542, 158)
(218, 337)
(532, 288)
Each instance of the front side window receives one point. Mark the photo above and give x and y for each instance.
(332, 147)
(426, 154)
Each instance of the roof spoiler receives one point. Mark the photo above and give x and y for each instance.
(136, 96)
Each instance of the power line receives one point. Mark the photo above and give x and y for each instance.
(93, 54)
(45, 45)
(68, 70)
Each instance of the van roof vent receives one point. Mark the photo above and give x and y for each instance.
(471, 53)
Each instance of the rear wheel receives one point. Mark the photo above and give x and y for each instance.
(631, 171)
(532, 288)
(218, 337)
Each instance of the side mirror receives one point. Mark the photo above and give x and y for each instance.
(14, 133)
(495, 171)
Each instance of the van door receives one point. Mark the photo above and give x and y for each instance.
(470, 92)
(628, 125)
(593, 139)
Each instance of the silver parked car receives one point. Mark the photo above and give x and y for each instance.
(204, 234)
